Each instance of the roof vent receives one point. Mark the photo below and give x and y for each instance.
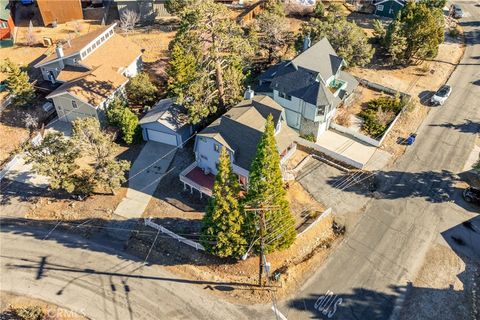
(249, 93)
(59, 51)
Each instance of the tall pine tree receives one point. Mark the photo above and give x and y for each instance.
(209, 54)
(223, 220)
(266, 188)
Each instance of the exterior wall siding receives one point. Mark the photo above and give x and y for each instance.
(66, 112)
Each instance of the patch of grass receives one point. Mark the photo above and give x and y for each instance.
(28, 313)
(309, 137)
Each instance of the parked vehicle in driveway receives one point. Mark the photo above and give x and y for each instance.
(457, 11)
(441, 95)
(472, 195)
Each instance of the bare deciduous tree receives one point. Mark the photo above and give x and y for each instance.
(77, 26)
(128, 20)
(30, 37)
(30, 122)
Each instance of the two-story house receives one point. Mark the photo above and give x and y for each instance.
(91, 69)
(239, 130)
(309, 88)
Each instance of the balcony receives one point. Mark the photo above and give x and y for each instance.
(195, 178)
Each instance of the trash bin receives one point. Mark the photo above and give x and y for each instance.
(411, 139)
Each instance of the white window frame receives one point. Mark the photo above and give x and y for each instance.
(380, 7)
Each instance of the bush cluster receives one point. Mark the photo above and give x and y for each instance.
(379, 113)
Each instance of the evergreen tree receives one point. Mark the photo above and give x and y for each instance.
(94, 142)
(141, 91)
(266, 188)
(416, 33)
(18, 83)
(55, 158)
(273, 30)
(120, 116)
(211, 59)
(223, 220)
(349, 40)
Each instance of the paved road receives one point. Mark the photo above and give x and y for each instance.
(99, 282)
(417, 199)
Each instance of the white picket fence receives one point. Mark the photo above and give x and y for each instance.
(196, 245)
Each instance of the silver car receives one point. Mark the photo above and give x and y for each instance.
(441, 95)
(456, 11)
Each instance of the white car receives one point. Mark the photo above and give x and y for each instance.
(441, 95)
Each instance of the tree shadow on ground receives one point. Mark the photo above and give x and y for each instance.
(421, 301)
(468, 126)
(433, 186)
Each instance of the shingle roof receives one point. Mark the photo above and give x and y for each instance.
(304, 77)
(320, 58)
(103, 74)
(165, 112)
(241, 128)
(75, 45)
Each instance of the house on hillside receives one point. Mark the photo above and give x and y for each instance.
(167, 123)
(309, 88)
(91, 69)
(54, 11)
(388, 8)
(239, 130)
(6, 24)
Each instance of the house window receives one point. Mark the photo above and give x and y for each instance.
(74, 104)
(380, 7)
(284, 96)
(111, 32)
(84, 54)
(203, 139)
(102, 38)
(320, 110)
(98, 42)
(216, 147)
(3, 25)
(89, 50)
(106, 35)
(94, 46)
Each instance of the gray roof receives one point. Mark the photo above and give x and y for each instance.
(241, 128)
(320, 58)
(167, 113)
(304, 77)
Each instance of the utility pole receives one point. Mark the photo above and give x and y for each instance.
(262, 226)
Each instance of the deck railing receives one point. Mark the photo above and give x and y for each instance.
(191, 183)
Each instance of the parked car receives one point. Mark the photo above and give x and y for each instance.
(441, 95)
(472, 195)
(456, 11)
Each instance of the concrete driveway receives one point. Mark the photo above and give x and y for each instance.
(146, 173)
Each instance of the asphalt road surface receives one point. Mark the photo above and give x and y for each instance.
(99, 282)
(366, 275)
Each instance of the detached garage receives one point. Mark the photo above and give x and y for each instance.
(167, 123)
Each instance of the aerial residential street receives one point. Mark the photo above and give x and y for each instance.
(388, 245)
(240, 159)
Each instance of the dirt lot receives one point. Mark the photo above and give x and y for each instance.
(419, 81)
(438, 291)
(11, 301)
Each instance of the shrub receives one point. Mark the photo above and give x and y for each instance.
(29, 313)
(309, 137)
(343, 117)
(120, 116)
(141, 91)
(454, 32)
(379, 113)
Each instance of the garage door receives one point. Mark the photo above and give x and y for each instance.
(293, 119)
(162, 137)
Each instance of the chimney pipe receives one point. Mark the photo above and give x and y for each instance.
(307, 42)
(249, 93)
(59, 51)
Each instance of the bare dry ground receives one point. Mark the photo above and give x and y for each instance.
(419, 81)
(437, 292)
(11, 301)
